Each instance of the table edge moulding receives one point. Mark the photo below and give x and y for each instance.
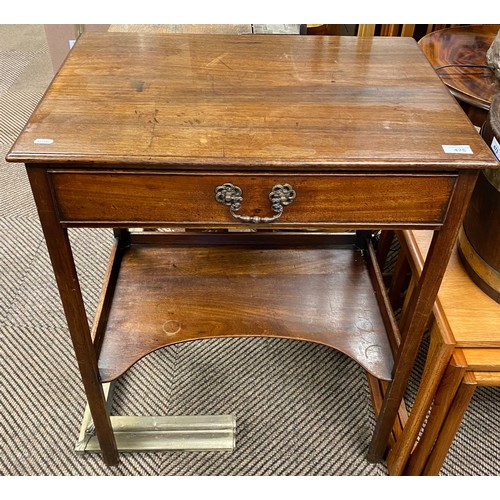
(273, 161)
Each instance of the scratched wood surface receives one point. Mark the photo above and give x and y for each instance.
(253, 101)
(167, 295)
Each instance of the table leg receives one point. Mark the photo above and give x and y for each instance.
(451, 424)
(63, 264)
(438, 357)
(419, 313)
(384, 246)
(445, 393)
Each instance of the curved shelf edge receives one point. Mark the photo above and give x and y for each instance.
(377, 361)
(163, 295)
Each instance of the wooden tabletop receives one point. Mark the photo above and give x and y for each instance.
(464, 45)
(473, 316)
(249, 101)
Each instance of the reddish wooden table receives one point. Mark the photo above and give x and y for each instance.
(172, 130)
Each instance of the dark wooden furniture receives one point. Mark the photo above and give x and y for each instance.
(315, 134)
(453, 50)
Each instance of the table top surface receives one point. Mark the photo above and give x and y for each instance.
(473, 316)
(464, 45)
(249, 102)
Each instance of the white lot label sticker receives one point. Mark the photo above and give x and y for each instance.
(43, 141)
(495, 146)
(457, 149)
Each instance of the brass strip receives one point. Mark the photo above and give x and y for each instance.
(161, 433)
(167, 433)
(483, 270)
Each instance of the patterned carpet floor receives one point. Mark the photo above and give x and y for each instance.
(301, 408)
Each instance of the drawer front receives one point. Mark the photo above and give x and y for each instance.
(332, 200)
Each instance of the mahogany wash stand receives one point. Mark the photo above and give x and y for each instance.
(272, 159)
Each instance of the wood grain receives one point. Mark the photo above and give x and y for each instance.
(61, 255)
(258, 101)
(448, 386)
(464, 45)
(164, 296)
(474, 318)
(450, 426)
(109, 197)
(487, 378)
(130, 114)
(486, 360)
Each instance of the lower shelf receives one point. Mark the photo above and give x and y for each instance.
(163, 295)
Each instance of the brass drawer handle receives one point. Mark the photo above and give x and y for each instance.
(231, 195)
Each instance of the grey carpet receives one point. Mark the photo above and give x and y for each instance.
(301, 409)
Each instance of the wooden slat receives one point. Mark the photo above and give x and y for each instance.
(438, 356)
(448, 387)
(377, 388)
(400, 278)
(482, 359)
(384, 246)
(383, 299)
(487, 378)
(377, 395)
(407, 30)
(366, 29)
(106, 297)
(389, 29)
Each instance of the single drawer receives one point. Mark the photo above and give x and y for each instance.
(137, 198)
